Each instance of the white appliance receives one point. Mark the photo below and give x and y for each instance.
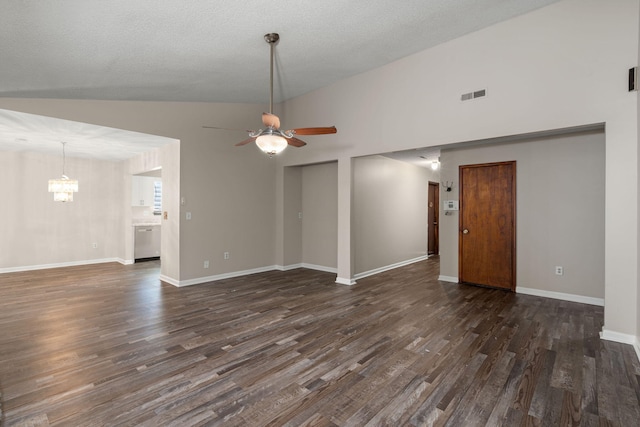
(146, 241)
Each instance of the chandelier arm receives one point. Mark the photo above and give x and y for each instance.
(64, 158)
(256, 133)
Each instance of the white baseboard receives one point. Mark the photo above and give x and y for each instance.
(609, 335)
(388, 267)
(199, 280)
(448, 279)
(344, 281)
(126, 261)
(57, 265)
(287, 267)
(170, 280)
(305, 265)
(561, 296)
(213, 278)
(320, 268)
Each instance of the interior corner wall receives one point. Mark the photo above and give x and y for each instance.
(390, 212)
(38, 232)
(292, 224)
(560, 190)
(320, 215)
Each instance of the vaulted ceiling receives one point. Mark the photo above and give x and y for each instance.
(213, 50)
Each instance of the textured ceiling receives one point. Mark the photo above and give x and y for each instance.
(30, 132)
(213, 50)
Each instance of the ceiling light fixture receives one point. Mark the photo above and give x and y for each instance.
(435, 165)
(64, 187)
(271, 143)
(271, 140)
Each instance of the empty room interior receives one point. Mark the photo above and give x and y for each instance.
(453, 238)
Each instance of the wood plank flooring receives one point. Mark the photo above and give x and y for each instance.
(110, 345)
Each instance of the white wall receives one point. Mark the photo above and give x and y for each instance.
(560, 220)
(229, 190)
(320, 215)
(389, 212)
(38, 232)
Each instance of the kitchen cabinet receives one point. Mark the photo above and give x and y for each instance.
(142, 190)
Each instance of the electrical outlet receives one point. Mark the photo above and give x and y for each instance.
(559, 270)
(94, 245)
(226, 255)
(206, 264)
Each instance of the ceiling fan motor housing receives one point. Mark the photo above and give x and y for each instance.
(272, 38)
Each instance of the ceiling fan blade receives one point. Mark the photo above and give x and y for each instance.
(216, 127)
(245, 142)
(315, 131)
(295, 142)
(269, 119)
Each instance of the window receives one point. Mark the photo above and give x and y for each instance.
(157, 197)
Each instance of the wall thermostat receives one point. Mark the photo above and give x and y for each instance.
(450, 205)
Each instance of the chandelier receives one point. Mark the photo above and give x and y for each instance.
(63, 188)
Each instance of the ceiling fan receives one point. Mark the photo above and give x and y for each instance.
(272, 140)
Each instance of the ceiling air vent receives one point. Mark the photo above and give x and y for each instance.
(472, 95)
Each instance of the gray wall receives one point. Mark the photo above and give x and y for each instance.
(320, 215)
(389, 212)
(560, 210)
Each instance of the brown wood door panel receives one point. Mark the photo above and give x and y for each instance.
(487, 249)
(432, 218)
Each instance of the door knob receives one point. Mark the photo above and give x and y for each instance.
(465, 231)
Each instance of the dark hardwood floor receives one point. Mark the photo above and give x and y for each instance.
(112, 345)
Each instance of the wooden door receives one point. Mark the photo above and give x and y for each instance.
(433, 204)
(487, 228)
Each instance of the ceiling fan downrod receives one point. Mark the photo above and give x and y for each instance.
(272, 39)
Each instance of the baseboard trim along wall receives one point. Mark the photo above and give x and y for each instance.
(621, 338)
(388, 267)
(199, 280)
(344, 281)
(448, 279)
(58, 265)
(561, 296)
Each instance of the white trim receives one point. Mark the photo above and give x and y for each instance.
(320, 268)
(617, 337)
(231, 275)
(448, 279)
(58, 265)
(561, 296)
(305, 265)
(287, 267)
(343, 281)
(170, 280)
(388, 267)
(621, 338)
(126, 261)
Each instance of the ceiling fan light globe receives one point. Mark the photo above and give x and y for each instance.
(271, 144)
